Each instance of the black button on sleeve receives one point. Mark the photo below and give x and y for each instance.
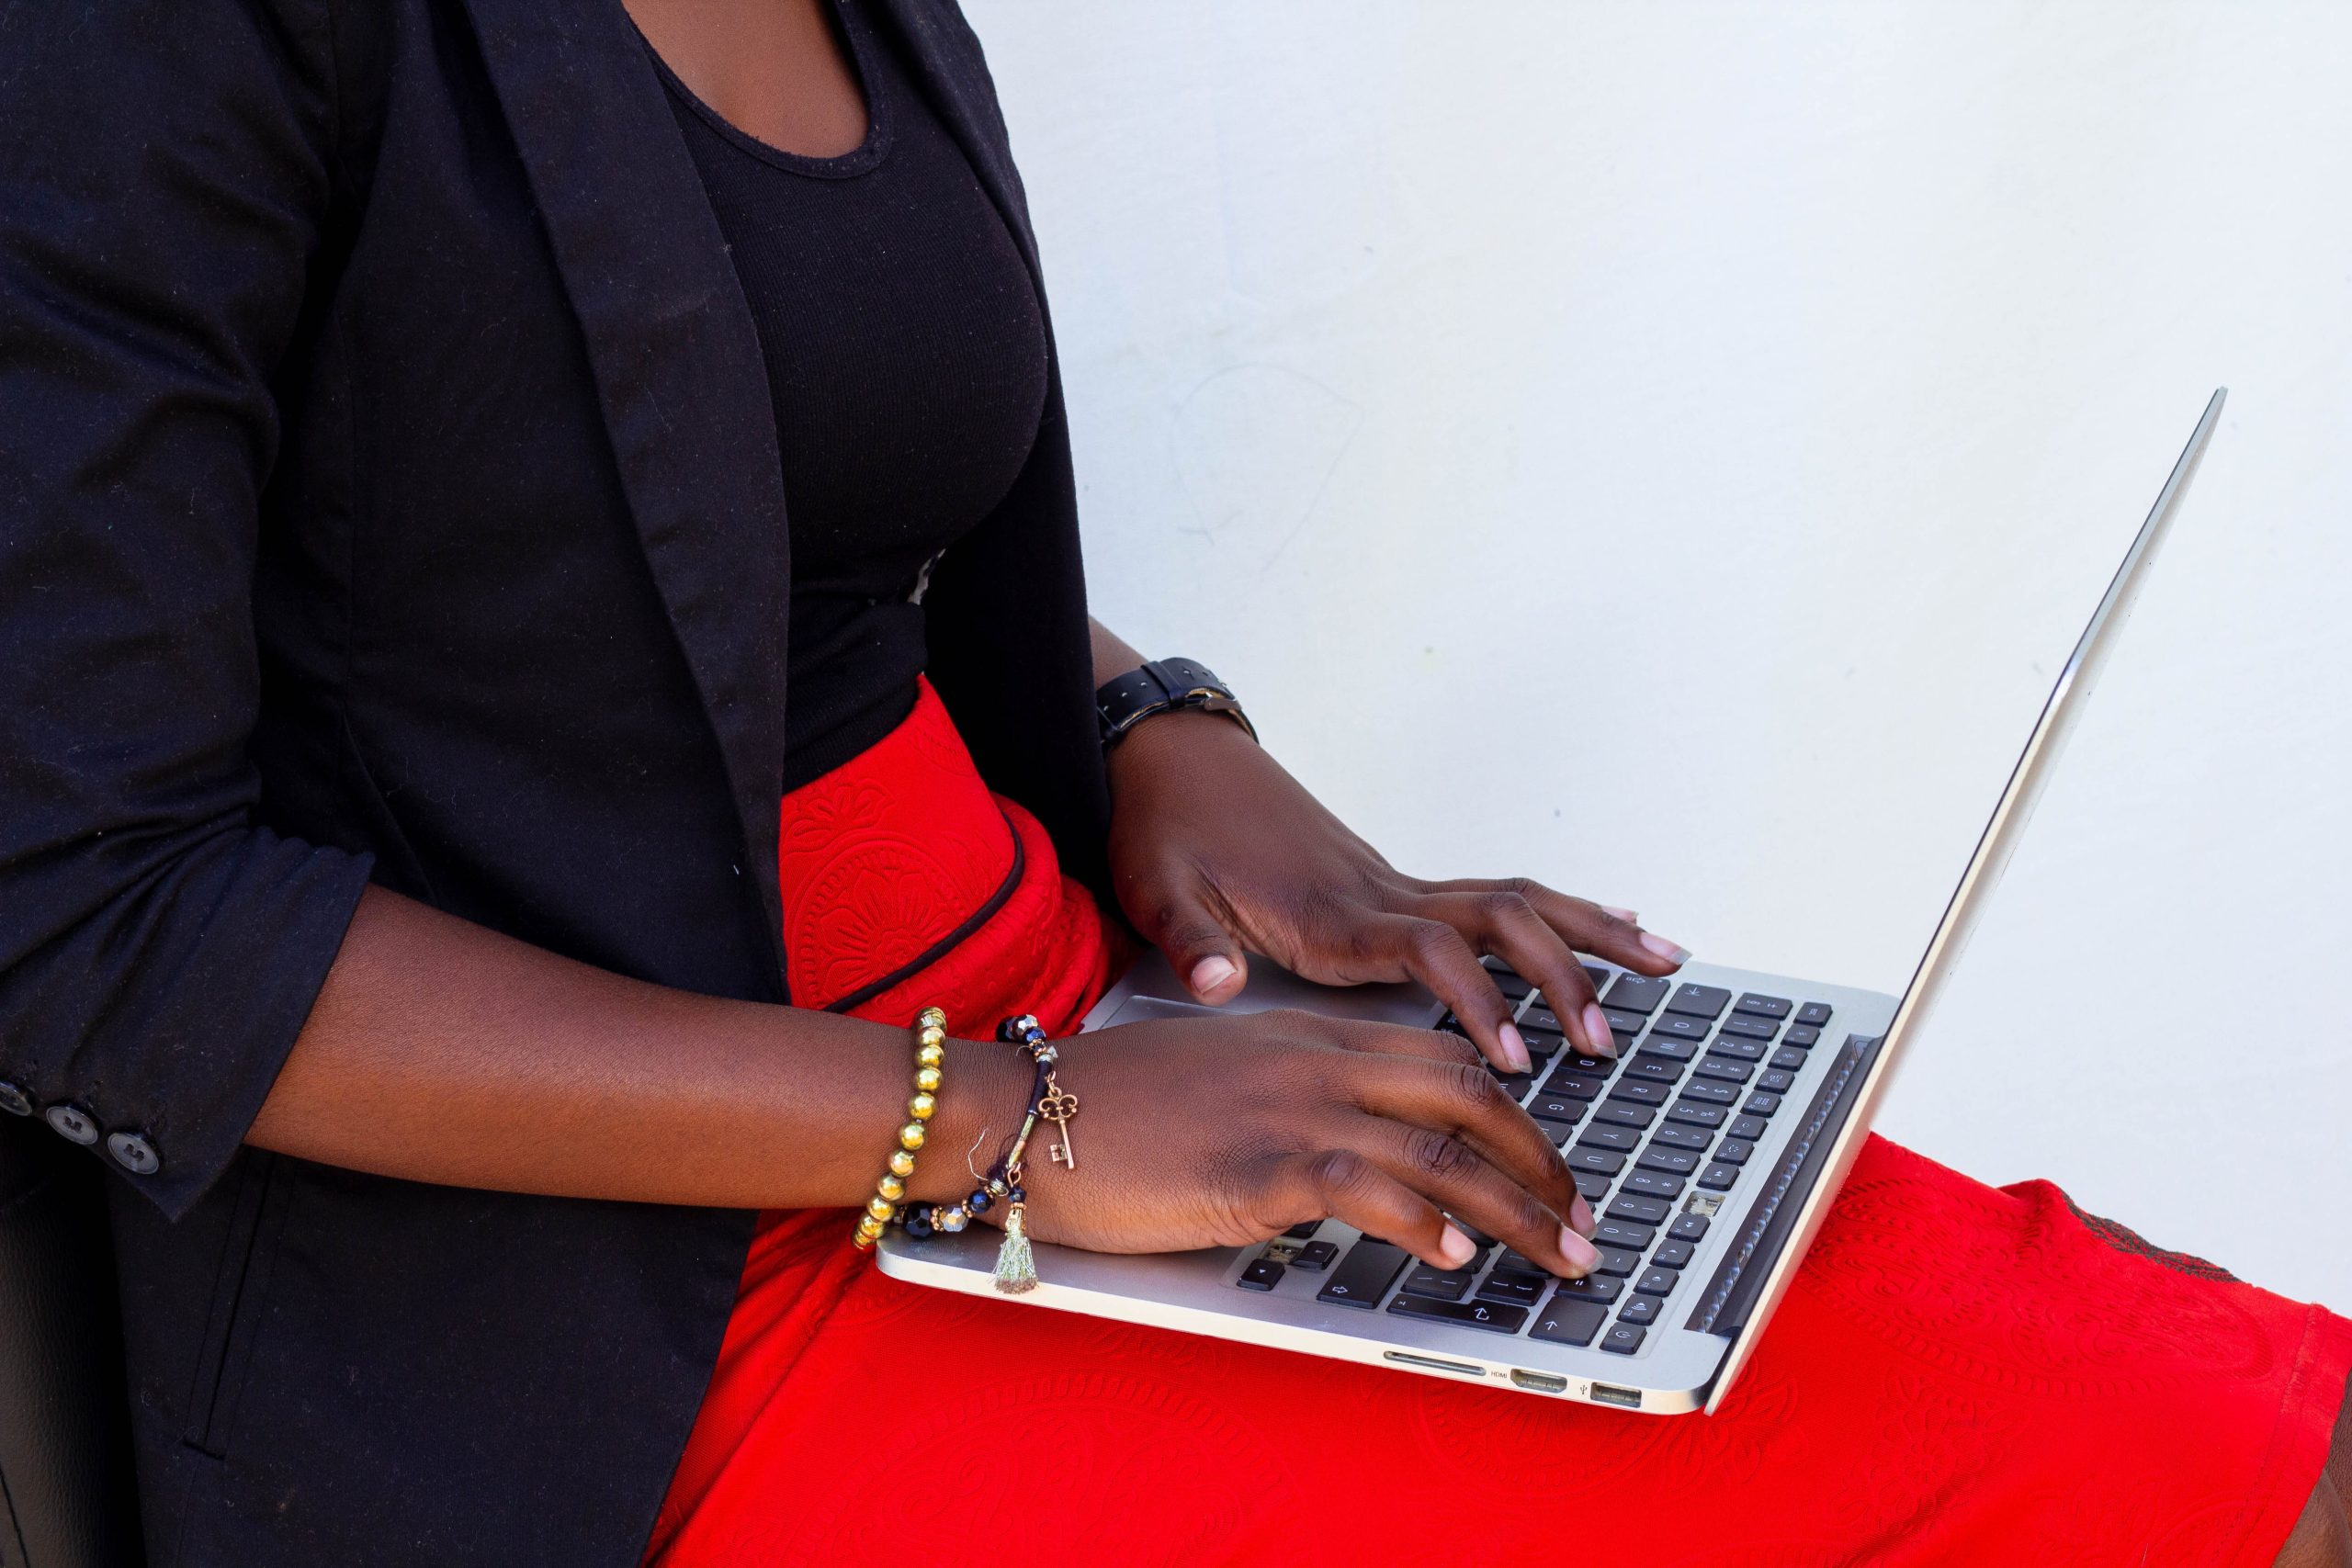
(73, 1124)
(135, 1153)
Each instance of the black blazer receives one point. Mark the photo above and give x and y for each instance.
(389, 490)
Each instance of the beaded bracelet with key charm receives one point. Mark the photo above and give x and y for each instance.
(1015, 1267)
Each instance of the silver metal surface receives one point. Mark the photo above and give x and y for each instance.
(1677, 1370)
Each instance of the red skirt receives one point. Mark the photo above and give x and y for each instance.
(1960, 1373)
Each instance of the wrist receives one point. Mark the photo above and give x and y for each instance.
(984, 1089)
(1166, 742)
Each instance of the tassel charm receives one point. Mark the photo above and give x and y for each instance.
(1016, 1269)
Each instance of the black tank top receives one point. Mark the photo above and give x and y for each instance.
(906, 355)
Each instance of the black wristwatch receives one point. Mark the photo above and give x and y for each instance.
(1164, 685)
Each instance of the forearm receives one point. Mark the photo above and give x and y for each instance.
(1113, 658)
(439, 1051)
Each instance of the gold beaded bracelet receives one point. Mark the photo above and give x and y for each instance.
(931, 1053)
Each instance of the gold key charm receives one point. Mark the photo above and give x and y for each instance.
(1059, 1106)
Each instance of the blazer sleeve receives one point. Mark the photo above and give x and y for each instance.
(165, 169)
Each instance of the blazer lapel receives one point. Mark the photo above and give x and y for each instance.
(677, 366)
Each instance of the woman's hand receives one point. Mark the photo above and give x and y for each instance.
(1216, 850)
(1225, 1130)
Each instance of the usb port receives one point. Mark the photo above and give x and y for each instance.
(1610, 1393)
(1541, 1383)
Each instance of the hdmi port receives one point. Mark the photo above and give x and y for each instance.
(1541, 1383)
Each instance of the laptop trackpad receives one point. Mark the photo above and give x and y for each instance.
(1138, 1009)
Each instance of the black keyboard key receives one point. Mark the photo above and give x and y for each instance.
(1639, 1309)
(1669, 1047)
(1671, 1137)
(1737, 1049)
(1641, 1211)
(1560, 1086)
(1596, 1162)
(1788, 1058)
(1624, 1140)
(1802, 1037)
(1735, 1151)
(1616, 1233)
(1555, 1107)
(1586, 1068)
(1362, 1276)
(1749, 1028)
(1707, 1093)
(1592, 1186)
(1718, 1178)
(1674, 1255)
(1641, 1093)
(1625, 1025)
(1591, 1288)
(1516, 1085)
(1509, 1285)
(1568, 1322)
(1813, 1014)
(1700, 1001)
(1654, 1184)
(1690, 1227)
(1635, 993)
(1763, 1006)
(1723, 1069)
(1622, 1113)
(1674, 1162)
(1315, 1256)
(1777, 1081)
(1659, 1282)
(1748, 1127)
(1304, 1230)
(1691, 1114)
(1674, 1026)
(1761, 1104)
(1617, 1261)
(1598, 975)
(1622, 1339)
(1540, 1018)
(1445, 1284)
(1510, 983)
(1540, 1046)
(1262, 1275)
(1495, 1317)
(1651, 1067)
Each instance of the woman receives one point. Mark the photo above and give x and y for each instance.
(542, 558)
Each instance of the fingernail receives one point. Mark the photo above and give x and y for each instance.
(1579, 1252)
(1664, 949)
(1628, 916)
(1580, 1218)
(1514, 1045)
(1596, 1029)
(1210, 973)
(1456, 1248)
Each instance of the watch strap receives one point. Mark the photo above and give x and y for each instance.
(1164, 685)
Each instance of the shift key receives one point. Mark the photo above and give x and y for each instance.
(1364, 1276)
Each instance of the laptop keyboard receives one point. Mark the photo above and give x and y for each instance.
(1672, 1124)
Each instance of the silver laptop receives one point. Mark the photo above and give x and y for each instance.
(1710, 1152)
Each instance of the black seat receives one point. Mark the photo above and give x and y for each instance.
(67, 1497)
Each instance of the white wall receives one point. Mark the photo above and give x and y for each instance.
(1667, 450)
